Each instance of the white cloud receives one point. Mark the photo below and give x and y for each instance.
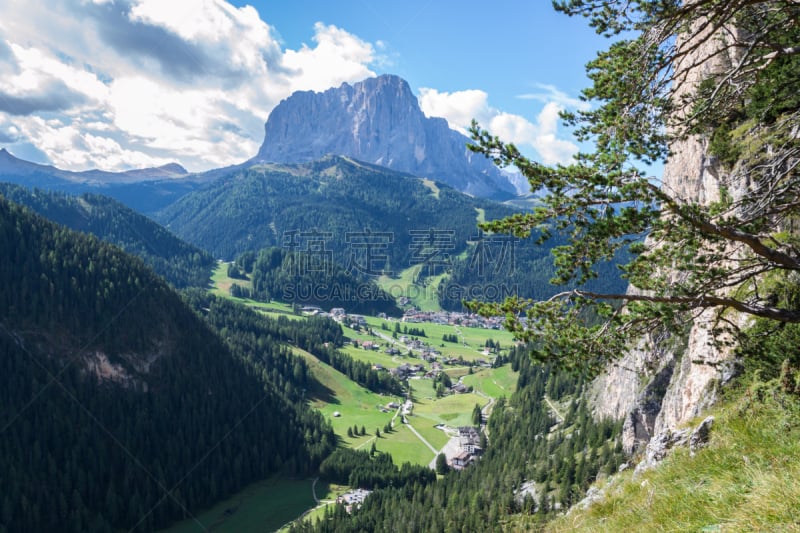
(460, 107)
(549, 93)
(130, 83)
(337, 57)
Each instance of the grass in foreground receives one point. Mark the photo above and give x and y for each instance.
(748, 479)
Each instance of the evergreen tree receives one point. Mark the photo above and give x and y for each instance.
(441, 464)
(647, 102)
(477, 415)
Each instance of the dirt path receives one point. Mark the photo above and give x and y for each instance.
(314, 490)
(364, 443)
(420, 437)
(559, 416)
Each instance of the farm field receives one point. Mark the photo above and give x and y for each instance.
(427, 429)
(404, 446)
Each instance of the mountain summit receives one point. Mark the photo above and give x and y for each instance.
(378, 121)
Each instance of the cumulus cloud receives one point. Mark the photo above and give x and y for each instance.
(130, 83)
(118, 84)
(460, 107)
(33, 82)
(337, 57)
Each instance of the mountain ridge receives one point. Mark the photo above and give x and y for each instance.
(10, 163)
(257, 207)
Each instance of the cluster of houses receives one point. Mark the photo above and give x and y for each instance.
(469, 440)
(353, 499)
(425, 350)
(453, 318)
(406, 371)
(414, 315)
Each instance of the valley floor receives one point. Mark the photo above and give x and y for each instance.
(418, 433)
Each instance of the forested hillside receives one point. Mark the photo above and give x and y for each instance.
(340, 199)
(498, 266)
(259, 336)
(307, 279)
(181, 264)
(119, 407)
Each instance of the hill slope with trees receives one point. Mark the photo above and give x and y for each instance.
(117, 403)
(181, 264)
(271, 205)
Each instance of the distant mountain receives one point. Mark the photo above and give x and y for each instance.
(181, 264)
(275, 205)
(120, 408)
(378, 121)
(145, 190)
(19, 167)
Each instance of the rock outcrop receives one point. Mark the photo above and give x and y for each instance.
(378, 121)
(672, 377)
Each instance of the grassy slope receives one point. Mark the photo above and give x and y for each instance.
(494, 382)
(355, 404)
(471, 340)
(360, 407)
(748, 479)
(454, 410)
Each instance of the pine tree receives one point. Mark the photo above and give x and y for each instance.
(646, 103)
(441, 464)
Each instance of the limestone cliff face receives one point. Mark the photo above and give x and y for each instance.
(378, 121)
(671, 377)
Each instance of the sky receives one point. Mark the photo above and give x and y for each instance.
(121, 84)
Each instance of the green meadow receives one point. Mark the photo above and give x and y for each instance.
(454, 410)
(335, 393)
(494, 382)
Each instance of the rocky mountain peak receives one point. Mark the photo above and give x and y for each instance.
(379, 121)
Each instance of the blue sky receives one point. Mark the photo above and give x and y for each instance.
(118, 84)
